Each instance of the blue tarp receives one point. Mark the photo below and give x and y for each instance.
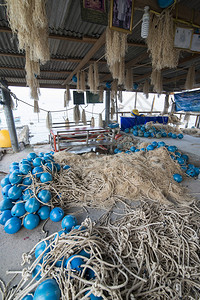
(189, 101)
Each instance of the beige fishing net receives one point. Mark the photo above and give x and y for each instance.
(98, 181)
(29, 21)
(160, 41)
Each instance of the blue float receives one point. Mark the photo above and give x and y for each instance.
(5, 181)
(150, 147)
(18, 210)
(13, 225)
(25, 168)
(37, 172)
(44, 212)
(27, 181)
(5, 190)
(15, 192)
(36, 274)
(6, 204)
(47, 290)
(69, 222)
(40, 248)
(44, 196)
(66, 167)
(177, 177)
(56, 214)
(46, 177)
(31, 221)
(5, 216)
(31, 156)
(32, 205)
(180, 160)
(132, 149)
(37, 162)
(15, 177)
(74, 263)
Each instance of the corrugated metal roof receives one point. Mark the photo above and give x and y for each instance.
(64, 17)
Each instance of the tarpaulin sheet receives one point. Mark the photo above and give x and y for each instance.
(189, 101)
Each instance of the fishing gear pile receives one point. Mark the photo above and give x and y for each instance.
(149, 252)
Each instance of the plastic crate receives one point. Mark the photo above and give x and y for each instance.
(127, 122)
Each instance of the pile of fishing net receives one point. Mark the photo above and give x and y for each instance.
(125, 142)
(149, 252)
(100, 181)
(166, 128)
(192, 131)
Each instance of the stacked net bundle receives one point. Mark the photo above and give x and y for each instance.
(167, 128)
(100, 182)
(149, 252)
(192, 131)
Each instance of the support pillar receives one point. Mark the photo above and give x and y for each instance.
(135, 105)
(107, 108)
(9, 118)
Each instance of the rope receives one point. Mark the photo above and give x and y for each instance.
(17, 99)
(151, 251)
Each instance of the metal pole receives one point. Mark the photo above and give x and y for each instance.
(135, 100)
(9, 118)
(107, 108)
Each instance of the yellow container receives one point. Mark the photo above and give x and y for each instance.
(5, 141)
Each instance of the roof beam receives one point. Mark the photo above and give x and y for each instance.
(84, 39)
(99, 43)
(67, 59)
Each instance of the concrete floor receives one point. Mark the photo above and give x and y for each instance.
(12, 246)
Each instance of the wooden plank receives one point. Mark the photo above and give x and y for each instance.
(99, 43)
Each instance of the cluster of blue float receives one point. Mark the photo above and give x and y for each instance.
(49, 289)
(151, 132)
(175, 154)
(19, 201)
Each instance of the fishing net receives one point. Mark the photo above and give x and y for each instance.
(156, 81)
(84, 117)
(129, 80)
(101, 91)
(192, 131)
(93, 78)
(160, 41)
(167, 128)
(174, 119)
(100, 120)
(116, 47)
(146, 88)
(92, 122)
(100, 181)
(190, 79)
(149, 252)
(76, 114)
(29, 21)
